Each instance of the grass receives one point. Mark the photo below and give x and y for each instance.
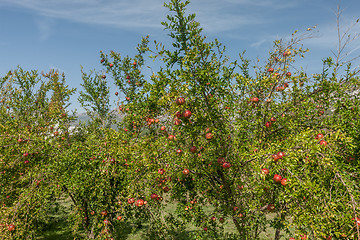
(59, 228)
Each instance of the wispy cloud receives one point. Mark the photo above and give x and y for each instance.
(259, 43)
(229, 15)
(270, 4)
(45, 27)
(328, 34)
(236, 19)
(215, 15)
(122, 14)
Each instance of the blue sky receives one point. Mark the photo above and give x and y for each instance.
(64, 34)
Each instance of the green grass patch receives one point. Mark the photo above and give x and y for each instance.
(59, 228)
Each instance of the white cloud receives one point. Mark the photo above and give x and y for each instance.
(259, 43)
(229, 17)
(328, 35)
(45, 27)
(122, 14)
(270, 4)
(214, 15)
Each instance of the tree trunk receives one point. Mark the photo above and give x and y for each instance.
(278, 230)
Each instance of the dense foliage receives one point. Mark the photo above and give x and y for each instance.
(263, 146)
